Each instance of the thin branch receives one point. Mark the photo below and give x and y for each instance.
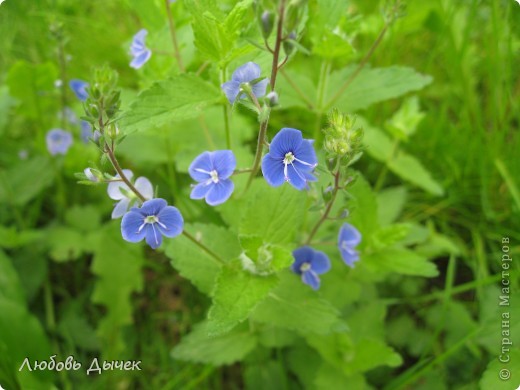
(203, 247)
(278, 43)
(118, 169)
(297, 89)
(327, 210)
(171, 24)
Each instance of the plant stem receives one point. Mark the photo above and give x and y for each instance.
(327, 210)
(258, 155)
(278, 43)
(118, 169)
(63, 77)
(203, 247)
(297, 89)
(359, 67)
(226, 111)
(171, 24)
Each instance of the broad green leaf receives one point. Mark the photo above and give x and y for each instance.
(363, 209)
(404, 122)
(275, 214)
(510, 372)
(117, 264)
(237, 292)
(273, 337)
(390, 235)
(66, 244)
(295, 306)
(329, 377)
(401, 261)
(374, 85)
(33, 86)
(83, 218)
(25, 180)
(265, 375)
(196, 265)
(264, 258)
(10, 237)
(198, 347)
(179, 98)
(390, 203)
(10, 287)
(382, 148)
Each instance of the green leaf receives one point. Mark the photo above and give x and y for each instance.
(363, 209)
(179, 98)
(33, 86)
(374, 85)
(10, 237)
(224, 349)
(196, 265)
(401, 261)
(237, 293)
(295, 306)
(25, 179)
(390, 235)
(390, 203)
(263, 258)
(6, 102)
(117, 264)
(275, 214)
(382, 148)
(491, 380)
(65, 243)
(329, 377)
(10, 287)
(404, 122)
(265, 375)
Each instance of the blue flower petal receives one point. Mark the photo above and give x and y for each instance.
(246, 73)
(310, 278)
(153, 207)
(260, 87)
(79, 87)
(140, 59)
(287, 140)
(201, 167)
(296, 178)
(132, 228)
(349, 234)
(305, 155)
(58, 141)
(172, 220)
(349, 255)
(224, 163)
(153, 235)
(120, 208)
(219, 192)
(272, 169)
(309, 176)
(320, 263)
(200, 191)
(231, 89)
(305, 254)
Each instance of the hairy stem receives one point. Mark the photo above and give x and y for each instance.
(203, 247)
(117, 167)
(258, 155)
(327, 210)
(278, 43)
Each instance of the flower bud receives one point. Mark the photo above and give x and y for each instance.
(272, 99)
(267, 23)
(342, 137)
(93, 175)
(288, 44)
(112, 131)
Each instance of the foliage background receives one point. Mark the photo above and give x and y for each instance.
(69, 285)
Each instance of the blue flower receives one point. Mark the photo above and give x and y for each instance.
(86, 131)
(212, 170)
(138, 50)
(118, 190)
(58, 141)
(79, 87)
(291, 158)
(151, 221)
(310, 263)
(245, 74)
(348, 238)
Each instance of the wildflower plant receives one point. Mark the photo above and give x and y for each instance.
(254, 117)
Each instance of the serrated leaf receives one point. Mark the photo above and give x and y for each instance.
(375, 85)
(294, 305)
(404, 122)
(224, 349)
(363, 208)
(274, 214)
(236, 294)
(390, 204)
(196, 265)
(382, 148)
(179, 98)
(401, 261)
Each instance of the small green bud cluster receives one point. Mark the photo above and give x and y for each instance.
(103, 103)
(342, 137)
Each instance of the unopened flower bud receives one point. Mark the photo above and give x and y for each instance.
(272, 99)
(112, 131)
(342, 137)
(267, 22)
(93, 175)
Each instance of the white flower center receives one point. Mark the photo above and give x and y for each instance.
(289, 158)
(151, 219)
(305, 267)
(214, 176)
